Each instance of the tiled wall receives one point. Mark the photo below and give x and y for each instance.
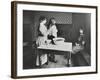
(61, 17)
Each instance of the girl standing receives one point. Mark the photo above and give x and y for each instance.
(52, 33)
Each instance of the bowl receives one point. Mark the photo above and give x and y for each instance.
(58, 40)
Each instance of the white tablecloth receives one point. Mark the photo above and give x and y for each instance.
(66, 46)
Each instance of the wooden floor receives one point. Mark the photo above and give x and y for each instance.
(77, 60)
(61, 62)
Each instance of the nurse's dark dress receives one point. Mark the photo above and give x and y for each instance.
(79, 44)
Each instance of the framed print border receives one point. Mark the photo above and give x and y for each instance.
(14, 31)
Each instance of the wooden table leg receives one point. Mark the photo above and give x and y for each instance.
(69, 60)
(39, 61)
(38, 54)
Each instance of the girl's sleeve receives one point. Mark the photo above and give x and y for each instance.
(54, 31)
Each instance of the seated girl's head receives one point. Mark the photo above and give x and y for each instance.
(43, 19)
(81, 30)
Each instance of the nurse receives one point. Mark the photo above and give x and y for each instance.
(42, 38)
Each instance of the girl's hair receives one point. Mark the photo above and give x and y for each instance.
(50, 22)
(42, 18)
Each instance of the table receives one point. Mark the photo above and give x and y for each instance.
(66, 47)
